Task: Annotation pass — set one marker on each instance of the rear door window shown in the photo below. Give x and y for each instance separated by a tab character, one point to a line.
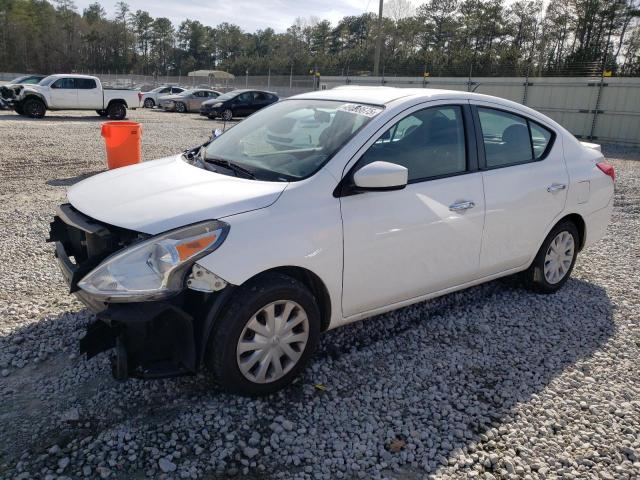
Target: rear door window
540	138
85	83
510	139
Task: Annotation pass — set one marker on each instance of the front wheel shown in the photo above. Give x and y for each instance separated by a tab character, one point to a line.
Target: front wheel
554	261
18	109
34	108
117	111
181	107
227	115
149	103
265	336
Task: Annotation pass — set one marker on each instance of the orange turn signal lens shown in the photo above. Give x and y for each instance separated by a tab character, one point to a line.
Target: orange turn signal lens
190	248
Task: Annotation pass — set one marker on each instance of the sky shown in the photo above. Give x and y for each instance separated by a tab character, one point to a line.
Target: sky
250	15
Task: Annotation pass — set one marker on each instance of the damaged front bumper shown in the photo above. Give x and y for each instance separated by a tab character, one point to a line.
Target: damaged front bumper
150	339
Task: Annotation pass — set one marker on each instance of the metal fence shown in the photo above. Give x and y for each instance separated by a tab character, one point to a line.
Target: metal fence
605	109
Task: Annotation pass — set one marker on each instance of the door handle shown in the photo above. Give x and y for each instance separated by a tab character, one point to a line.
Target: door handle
461	206
556	187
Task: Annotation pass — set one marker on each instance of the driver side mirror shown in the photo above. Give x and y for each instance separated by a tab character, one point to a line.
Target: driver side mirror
381	176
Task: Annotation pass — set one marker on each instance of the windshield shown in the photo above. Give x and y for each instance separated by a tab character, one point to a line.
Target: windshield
46	81
27	79
291	140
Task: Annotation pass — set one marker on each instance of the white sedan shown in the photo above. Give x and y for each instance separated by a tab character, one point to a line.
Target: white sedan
237	255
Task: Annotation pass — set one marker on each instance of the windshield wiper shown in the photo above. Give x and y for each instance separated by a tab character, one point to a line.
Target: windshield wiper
231	166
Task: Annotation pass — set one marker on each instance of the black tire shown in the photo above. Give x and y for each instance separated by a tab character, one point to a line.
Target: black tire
149	103
116	111
250	298
181	107
102	113
227	115
18	109
534	277
34	108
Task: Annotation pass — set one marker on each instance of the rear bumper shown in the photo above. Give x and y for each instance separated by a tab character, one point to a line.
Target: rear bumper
597	223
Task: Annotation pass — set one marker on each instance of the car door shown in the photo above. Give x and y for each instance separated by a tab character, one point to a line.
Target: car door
260	100
403	244
525	185
195	99
64	93
241	104
89	95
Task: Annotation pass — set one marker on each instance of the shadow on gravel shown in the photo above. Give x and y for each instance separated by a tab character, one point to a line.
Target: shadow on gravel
52	118
436	376
66	182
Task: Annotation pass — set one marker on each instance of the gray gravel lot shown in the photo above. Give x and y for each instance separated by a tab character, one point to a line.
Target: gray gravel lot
491	382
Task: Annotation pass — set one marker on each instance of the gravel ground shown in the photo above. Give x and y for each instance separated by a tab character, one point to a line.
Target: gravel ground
491	382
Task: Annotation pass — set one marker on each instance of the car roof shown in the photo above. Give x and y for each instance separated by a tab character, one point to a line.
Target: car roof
413	96
380	95
385	95
71	75
242	90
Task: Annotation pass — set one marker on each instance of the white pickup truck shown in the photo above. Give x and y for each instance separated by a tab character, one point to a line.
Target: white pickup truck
70	92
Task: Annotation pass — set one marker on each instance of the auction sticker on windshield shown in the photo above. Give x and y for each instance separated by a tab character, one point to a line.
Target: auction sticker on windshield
366	110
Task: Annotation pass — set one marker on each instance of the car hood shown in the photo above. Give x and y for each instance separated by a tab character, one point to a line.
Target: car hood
156	196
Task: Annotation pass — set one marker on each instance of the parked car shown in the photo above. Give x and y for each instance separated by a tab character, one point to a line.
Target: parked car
187	101
236	255
150	99
70	92
22	80
27	80
237	103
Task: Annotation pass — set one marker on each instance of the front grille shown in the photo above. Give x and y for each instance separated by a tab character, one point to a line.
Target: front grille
87	242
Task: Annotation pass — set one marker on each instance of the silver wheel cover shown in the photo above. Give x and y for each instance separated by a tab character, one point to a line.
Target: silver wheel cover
559	257
273	341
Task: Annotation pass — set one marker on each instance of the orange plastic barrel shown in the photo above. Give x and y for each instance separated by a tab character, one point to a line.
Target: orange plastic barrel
123	143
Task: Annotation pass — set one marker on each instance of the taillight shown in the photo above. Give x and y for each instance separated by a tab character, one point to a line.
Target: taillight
607	170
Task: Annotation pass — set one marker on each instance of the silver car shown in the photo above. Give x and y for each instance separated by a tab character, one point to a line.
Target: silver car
187	101
150	99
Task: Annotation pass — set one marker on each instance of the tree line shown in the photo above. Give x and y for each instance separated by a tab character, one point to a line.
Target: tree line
440	37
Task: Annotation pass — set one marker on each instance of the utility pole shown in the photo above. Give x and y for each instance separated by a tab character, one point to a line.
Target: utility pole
376	62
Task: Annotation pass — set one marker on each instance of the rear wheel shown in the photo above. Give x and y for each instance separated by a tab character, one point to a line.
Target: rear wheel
116	111
555	260
181	107
102	113
149	103
34	108
265	337
227	115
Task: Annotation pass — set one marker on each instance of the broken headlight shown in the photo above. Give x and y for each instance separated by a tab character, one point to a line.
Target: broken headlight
154	268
